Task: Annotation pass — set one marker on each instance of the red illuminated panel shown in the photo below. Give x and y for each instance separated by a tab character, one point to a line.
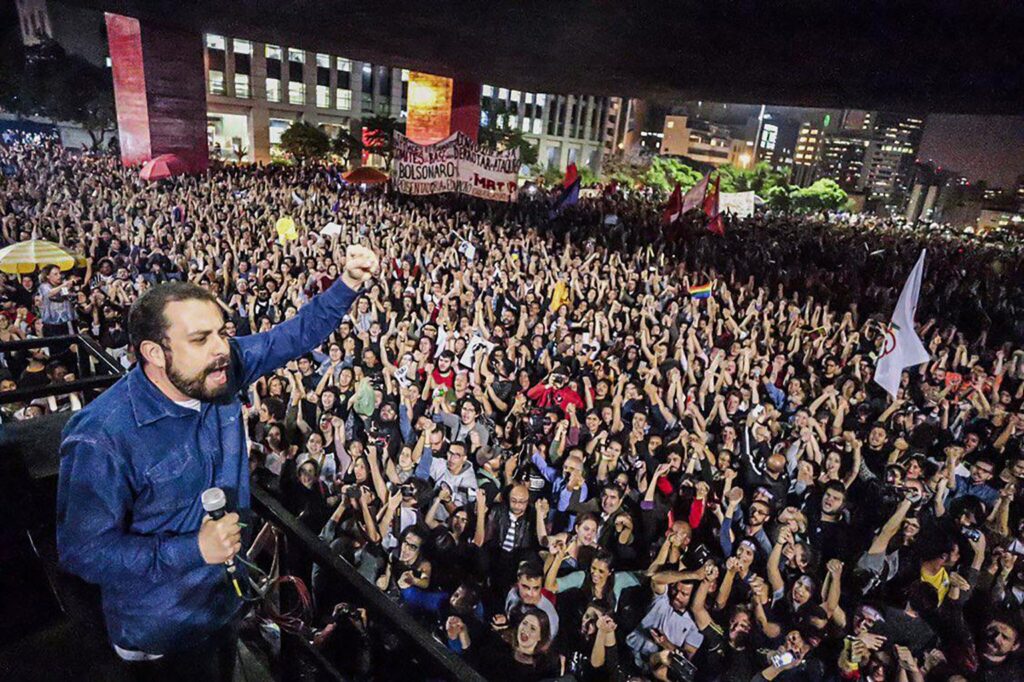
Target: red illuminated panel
124	36
465	116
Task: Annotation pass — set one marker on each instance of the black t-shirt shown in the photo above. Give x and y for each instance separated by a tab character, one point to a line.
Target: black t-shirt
718	660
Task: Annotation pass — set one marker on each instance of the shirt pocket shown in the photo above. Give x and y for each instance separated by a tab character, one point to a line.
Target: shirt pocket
174	483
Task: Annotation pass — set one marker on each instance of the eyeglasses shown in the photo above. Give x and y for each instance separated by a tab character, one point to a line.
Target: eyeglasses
406	543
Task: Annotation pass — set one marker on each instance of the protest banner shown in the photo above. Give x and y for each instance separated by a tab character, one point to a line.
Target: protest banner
455	164
739	204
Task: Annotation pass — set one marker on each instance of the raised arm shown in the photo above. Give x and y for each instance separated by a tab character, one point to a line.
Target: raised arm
262	353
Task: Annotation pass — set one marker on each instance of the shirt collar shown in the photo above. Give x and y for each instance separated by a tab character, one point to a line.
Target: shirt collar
148	403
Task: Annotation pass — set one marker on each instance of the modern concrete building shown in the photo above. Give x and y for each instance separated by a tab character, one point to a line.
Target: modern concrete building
256	90
566	128
704	142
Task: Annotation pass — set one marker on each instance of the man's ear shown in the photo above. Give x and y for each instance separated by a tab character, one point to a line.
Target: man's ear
153	353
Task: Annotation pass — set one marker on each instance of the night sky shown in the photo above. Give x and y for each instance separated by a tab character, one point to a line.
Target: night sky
989	148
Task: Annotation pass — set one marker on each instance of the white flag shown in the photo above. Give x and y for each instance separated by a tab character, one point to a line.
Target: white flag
695	196
902	347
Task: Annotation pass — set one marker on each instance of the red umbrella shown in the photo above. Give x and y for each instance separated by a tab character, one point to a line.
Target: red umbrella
365	175
163	166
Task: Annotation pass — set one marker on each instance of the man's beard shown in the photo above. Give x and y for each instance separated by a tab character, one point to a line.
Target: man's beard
195	386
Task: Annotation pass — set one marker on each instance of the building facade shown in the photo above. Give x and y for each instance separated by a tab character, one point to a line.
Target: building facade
890	157
256	90
566	128
704	142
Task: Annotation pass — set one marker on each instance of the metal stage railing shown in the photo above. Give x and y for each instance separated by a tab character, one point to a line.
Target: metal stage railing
439	660
94	369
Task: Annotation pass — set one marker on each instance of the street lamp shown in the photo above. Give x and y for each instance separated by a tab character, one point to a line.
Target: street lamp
744	159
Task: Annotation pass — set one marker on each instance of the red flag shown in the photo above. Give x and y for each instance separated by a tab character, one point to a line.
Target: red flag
570	175
674	208
711	200
715	224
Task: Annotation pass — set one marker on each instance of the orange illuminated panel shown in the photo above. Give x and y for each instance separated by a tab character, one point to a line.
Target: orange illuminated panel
429	108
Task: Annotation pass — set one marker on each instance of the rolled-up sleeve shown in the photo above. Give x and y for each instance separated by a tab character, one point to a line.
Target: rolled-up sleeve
93	538
265	352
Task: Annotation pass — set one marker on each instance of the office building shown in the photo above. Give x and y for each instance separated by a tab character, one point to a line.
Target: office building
704	142
890	157
623	126
566	128
841	158
256	90
809	141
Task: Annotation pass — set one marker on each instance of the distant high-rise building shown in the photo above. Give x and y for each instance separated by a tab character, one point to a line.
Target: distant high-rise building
842	159
890	157
809	141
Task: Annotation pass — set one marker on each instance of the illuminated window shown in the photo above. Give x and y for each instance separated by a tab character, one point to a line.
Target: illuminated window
343	99
514	95
242	85
323	60
526	125
670	124
273	52
277	127
296	93
216	82
541	99
405	75
343	64
242	46
488	91
215	42
537	126
273	90
323	96
529	98
502	93
297	56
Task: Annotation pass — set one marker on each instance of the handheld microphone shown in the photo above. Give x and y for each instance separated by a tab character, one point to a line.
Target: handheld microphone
215	503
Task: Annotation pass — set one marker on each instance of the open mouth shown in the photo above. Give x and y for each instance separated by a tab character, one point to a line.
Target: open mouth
219	375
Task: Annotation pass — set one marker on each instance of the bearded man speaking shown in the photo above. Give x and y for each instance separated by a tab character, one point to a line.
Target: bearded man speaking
135	462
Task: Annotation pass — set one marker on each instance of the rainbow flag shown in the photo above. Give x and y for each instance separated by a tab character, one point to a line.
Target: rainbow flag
701	291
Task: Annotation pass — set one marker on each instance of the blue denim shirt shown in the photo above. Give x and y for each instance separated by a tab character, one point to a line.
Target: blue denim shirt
133	467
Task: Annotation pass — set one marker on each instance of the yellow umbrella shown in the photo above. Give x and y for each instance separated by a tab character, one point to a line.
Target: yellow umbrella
29	256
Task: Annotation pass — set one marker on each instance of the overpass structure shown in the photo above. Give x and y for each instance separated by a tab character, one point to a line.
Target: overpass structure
939	56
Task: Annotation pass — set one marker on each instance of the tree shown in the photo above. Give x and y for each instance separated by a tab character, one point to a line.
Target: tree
627	170
305	141
823	195
666	171
380	136
760	178
348	146
778	198
502	138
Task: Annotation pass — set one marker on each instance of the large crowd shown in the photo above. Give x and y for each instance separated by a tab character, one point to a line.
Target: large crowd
529	433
